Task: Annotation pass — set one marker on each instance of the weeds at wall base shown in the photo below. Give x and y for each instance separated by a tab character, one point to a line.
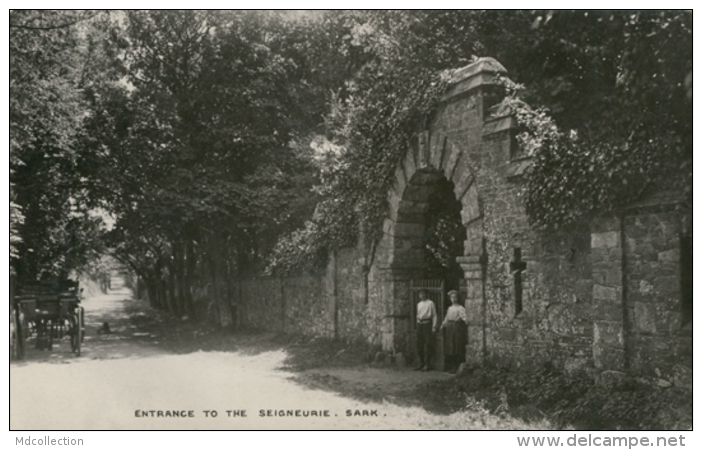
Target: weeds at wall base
577	400
542	396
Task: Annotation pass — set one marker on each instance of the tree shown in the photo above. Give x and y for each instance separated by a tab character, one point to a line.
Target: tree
621	81
48	64
229	143
199	148
377	106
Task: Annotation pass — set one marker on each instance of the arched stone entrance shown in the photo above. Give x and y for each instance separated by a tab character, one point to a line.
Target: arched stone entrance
417	177
468	142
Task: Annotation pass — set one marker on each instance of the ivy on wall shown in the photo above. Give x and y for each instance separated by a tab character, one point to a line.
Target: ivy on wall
380	128
575	176
369	130
622	78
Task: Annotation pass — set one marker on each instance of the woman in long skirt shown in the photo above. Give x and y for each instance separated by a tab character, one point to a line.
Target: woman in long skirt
455	338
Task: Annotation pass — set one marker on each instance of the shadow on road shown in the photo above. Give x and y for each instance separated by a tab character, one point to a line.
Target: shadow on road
137	331
119	310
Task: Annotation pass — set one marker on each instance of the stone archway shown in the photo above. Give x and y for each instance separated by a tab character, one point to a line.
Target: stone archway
434	158
469	143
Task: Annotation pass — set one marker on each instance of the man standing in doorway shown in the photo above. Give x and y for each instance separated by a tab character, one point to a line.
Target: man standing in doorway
426	327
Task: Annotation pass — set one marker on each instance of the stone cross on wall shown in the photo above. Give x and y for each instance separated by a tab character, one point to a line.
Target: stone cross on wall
516	267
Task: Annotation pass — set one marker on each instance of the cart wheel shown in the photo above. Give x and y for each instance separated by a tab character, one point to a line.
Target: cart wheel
22	333
14	346
81	330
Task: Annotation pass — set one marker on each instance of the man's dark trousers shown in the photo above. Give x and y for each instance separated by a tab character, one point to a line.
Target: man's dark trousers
424	342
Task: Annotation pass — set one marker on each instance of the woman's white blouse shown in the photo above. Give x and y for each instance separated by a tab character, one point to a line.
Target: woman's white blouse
455	312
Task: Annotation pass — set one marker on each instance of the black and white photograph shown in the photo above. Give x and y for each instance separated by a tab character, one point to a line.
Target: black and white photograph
351	219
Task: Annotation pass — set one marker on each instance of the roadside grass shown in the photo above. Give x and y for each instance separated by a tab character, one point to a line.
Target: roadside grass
490	397
615	401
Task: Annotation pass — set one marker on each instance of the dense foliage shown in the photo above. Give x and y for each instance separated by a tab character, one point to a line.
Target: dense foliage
624	101
180	129
444	236
373	121
617	82
199	146
51	228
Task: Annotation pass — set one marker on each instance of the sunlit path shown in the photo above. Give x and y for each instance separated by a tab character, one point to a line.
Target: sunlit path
123	376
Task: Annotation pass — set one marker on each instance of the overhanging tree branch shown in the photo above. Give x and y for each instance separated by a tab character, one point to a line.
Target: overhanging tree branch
55	27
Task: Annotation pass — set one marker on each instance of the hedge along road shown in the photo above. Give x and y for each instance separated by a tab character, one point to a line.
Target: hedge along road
125	380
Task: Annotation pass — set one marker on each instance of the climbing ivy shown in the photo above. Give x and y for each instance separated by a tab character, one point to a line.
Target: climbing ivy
576	176
445	234
621	79
380	129
369	129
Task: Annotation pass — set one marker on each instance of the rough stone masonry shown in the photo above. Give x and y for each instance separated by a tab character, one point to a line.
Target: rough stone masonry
614	294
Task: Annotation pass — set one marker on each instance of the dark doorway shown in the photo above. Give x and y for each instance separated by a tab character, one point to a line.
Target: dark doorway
428	237
444	236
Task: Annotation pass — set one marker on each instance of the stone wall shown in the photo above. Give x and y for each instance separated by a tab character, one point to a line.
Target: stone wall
333	304
638	295
608	294
658	343
293	305
554	323
307	307
262	303
350	285
471	143
604	295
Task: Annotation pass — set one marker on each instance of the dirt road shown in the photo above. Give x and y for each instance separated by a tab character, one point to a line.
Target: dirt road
128	380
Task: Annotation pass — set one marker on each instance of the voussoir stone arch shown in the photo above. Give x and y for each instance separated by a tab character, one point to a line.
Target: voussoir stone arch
434	156
453	148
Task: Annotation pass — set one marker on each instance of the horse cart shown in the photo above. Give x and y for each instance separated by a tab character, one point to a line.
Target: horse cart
46	312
